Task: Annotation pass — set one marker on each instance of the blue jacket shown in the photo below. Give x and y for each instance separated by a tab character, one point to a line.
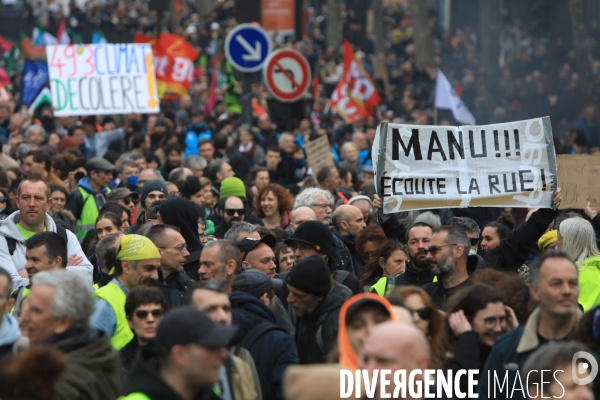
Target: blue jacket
273	352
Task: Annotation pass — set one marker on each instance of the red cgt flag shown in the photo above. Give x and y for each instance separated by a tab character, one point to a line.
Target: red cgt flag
355	93
173	62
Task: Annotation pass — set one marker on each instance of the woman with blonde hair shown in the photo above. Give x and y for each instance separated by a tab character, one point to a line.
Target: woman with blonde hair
576	237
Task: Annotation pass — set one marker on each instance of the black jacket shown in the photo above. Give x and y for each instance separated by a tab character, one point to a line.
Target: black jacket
173	287
145	378
469	353
514	250
440	295
273	352
341	254
350	243
324	321
128	354
413	277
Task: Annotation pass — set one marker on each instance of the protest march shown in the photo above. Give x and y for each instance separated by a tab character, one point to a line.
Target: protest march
299	199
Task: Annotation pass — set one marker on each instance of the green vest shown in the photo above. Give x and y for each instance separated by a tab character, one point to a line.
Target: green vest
116	298
386	284
589	276
16	310
89	213
135	396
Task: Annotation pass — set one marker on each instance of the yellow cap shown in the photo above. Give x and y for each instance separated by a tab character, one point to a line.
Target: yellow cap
547	239
136	247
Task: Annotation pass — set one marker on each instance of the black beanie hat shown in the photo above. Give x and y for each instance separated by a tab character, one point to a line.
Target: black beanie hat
310	275
314	234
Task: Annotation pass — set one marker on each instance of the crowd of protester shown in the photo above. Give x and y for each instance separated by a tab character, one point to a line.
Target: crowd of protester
188	255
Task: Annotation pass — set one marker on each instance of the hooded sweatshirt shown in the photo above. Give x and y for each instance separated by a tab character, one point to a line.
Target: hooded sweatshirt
184	214
348	357
326	317
16	263
9	333
272	353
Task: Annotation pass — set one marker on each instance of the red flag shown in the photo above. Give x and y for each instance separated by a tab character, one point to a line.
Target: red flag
212	94
260	112
173	63
355	93
5	45
62	35
315	87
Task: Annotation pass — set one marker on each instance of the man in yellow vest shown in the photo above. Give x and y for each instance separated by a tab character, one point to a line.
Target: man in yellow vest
136	263
44	251
88	198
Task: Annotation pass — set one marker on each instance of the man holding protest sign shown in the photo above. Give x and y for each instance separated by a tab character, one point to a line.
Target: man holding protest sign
421	172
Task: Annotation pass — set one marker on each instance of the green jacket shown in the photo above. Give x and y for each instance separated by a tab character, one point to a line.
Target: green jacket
589	282
93	370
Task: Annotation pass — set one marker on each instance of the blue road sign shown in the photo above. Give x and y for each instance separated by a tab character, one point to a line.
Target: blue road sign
247	47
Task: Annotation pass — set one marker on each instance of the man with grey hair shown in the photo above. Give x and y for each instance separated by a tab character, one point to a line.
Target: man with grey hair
447	255
299	216
148	174
555	286
179	174
57	312
321	202
242	230
128	174
221	262
470	227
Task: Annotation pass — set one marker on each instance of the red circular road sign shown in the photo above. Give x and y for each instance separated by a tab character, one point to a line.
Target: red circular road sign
286	75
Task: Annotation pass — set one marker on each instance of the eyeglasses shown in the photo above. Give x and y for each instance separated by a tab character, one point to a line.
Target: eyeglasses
424	313
174	194
143	314
474	241
232	211
182	247
324	206
434	249
3	199
490	322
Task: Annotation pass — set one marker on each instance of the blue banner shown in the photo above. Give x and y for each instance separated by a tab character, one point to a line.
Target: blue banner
35	75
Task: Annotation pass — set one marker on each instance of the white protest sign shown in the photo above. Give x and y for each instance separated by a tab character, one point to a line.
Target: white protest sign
100	79
502	165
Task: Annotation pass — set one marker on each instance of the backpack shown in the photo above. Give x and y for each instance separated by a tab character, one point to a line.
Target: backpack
12	243
254	334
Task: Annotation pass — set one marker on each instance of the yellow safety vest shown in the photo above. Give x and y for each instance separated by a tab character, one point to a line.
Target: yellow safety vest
89	213
114	296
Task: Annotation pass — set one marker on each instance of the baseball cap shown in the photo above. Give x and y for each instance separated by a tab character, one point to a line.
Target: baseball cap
246	245
360	304
185	325
121	193
99	163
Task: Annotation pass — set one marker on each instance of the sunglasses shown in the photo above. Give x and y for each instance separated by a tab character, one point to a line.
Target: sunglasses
434	249
424	313
143	314
474	241
3	199
232	211
128	200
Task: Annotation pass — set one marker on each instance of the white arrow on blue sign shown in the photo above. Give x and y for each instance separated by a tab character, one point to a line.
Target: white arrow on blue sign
247	47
